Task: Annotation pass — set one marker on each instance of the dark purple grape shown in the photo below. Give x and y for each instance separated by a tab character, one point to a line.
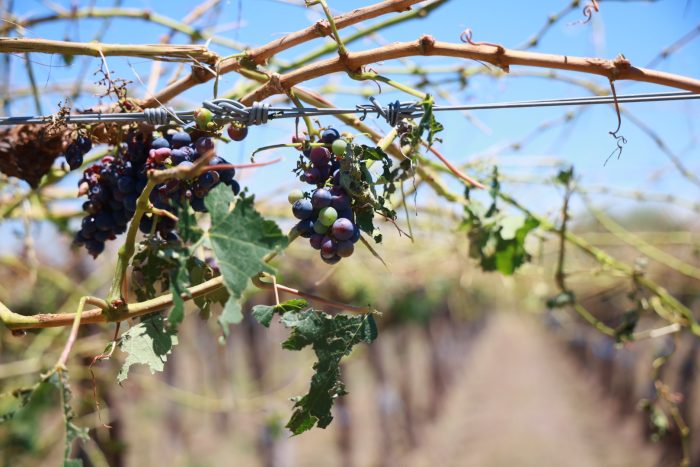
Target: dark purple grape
343	229
115	203
165	225
130	202
197	204
126	184
329	135
355	235
305	228
95	247
180	139
146	224
313	176
321	198
324	172
237	132
302	209
172	237
74	156
160	143
328	247
346	214
96	193
319	156
345	248
89	207
204	145
185	164
235	187
332	260
208	179
341	200
226	175
83	143
79	239
102	235
104	221
316	240
89	226
178	156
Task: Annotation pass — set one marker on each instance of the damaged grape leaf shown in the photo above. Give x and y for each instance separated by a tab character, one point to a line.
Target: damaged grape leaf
240	238
331	338
148	343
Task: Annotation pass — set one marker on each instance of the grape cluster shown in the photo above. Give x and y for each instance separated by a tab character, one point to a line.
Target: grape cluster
325	215
114	184
76	150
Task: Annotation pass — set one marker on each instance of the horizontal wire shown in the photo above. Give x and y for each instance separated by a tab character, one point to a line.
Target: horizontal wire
406	109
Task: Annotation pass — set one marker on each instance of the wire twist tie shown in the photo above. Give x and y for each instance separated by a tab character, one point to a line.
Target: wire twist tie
157	116
394	112
230	109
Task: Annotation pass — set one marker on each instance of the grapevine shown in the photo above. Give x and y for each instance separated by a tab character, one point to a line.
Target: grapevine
397	226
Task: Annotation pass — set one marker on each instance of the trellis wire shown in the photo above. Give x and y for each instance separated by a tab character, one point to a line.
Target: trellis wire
230	110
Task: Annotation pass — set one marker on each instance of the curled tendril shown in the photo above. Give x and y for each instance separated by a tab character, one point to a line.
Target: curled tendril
466	37
588	11
620	139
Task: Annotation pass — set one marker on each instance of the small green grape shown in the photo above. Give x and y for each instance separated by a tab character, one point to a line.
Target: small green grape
339	146
203	117
327	216
294	196
319	228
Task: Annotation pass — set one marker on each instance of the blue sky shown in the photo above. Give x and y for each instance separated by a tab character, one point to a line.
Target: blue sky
639	30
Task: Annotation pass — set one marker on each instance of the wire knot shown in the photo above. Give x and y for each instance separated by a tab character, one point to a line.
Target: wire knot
393	113
232	110
158	116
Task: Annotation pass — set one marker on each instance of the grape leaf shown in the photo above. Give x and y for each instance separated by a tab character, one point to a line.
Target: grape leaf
240	238
496	239
264	313
147	343
331	337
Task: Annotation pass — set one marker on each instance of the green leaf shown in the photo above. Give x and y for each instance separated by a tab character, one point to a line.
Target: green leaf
240	238
510	226
565	176
511	254
331	338
147	343
264	313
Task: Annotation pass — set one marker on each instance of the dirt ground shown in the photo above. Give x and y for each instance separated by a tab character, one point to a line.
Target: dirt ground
521	402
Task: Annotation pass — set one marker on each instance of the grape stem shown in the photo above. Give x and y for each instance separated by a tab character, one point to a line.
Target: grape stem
115	298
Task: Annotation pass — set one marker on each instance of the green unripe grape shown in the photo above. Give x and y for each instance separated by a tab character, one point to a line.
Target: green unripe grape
327	216
203	117
320	228
339	146
294	196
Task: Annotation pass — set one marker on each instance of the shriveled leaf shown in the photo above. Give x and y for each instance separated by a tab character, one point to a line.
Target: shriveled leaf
148	343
